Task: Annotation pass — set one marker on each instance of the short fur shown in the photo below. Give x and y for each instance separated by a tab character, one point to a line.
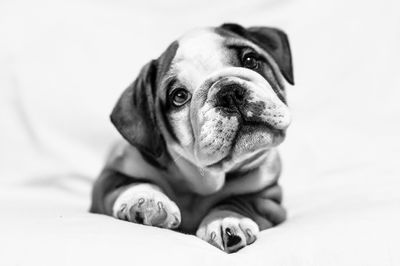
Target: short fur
209	166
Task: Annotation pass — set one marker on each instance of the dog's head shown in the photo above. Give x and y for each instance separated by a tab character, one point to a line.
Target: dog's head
215	98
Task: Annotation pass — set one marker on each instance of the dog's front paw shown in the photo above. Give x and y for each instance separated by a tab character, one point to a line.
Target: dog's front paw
146	204
228	230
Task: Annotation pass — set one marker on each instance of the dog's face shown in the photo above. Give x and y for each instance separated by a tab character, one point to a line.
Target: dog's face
215	97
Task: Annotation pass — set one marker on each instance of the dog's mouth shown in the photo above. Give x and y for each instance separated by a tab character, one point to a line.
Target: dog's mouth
229	135
251	137
236	116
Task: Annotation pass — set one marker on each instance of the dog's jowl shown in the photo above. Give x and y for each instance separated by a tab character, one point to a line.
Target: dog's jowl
201	125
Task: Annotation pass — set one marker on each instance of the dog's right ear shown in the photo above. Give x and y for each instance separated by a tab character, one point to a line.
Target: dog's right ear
134	114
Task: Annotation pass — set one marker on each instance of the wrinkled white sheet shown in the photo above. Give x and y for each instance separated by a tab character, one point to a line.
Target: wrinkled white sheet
64	63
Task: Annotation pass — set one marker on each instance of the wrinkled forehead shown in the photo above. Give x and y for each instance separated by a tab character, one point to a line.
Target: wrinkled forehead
200	53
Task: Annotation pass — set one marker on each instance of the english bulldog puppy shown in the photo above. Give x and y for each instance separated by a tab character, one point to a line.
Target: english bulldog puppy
201	124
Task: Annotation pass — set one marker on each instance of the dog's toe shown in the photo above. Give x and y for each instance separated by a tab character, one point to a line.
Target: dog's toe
233	237
228	231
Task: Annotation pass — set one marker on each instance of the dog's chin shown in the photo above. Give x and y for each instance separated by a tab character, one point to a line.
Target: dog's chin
250	141
252	138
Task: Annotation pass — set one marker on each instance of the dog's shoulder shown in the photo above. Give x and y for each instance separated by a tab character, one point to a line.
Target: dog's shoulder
128	160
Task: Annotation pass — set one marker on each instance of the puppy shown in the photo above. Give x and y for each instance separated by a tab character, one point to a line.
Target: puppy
201	124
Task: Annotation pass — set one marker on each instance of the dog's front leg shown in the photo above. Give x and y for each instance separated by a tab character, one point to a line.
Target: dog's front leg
236	222
124	198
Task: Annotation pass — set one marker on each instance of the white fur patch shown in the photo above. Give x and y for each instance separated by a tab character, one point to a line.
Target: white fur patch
217	132
200	53
147	201
182	127
220	225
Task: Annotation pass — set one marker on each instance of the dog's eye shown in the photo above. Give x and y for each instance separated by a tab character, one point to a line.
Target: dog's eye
180	97
250	61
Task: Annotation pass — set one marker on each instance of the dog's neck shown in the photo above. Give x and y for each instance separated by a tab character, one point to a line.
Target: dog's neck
186	176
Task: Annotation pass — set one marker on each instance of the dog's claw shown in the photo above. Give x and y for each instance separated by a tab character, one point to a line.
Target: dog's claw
213	241
140	202
213	236
248	232
121	212
123	207
160	206
161	217
250	236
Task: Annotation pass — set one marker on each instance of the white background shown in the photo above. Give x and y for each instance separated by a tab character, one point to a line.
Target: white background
63	65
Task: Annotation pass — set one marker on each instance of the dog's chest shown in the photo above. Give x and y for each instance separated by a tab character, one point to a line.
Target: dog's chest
193	209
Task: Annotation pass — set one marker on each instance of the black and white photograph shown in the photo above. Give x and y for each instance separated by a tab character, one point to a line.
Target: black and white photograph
257	132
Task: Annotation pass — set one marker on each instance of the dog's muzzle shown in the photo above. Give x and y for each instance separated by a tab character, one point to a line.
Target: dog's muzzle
234	112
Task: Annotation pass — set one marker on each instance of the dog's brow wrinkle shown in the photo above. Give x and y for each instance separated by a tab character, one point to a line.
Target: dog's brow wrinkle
240	43
171	78
237	46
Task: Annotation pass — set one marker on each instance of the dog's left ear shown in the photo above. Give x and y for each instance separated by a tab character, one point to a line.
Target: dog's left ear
273	41
134	114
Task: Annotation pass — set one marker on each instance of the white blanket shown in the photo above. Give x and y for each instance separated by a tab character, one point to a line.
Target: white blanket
64	63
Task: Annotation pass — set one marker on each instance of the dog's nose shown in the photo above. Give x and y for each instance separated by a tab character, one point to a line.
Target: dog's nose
230	96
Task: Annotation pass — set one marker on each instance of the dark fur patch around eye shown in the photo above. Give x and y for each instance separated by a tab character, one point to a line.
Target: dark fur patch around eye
265	69
272	40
